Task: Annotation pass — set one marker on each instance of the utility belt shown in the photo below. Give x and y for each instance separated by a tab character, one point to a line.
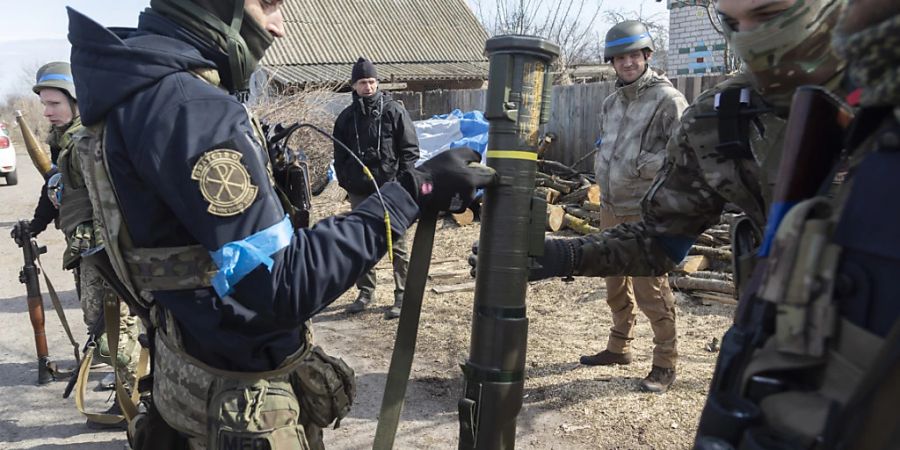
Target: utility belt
269	409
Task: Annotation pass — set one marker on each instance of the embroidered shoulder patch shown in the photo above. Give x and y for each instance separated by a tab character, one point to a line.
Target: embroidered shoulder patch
224	182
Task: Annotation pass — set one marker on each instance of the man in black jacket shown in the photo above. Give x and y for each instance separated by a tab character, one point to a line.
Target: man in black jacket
379	131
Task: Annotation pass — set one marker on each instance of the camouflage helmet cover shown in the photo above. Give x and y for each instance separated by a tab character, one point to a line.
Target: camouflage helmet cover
625	37
792	49
57	75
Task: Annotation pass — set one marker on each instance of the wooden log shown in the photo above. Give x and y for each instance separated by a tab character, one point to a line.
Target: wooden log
556	168
699	284
459	287
591	216
579	225
715	296
593	194
576	197
549	194
709	275
590	206
714	253
707	240
555	217
439	260
448	274
558	183
464	218
693	263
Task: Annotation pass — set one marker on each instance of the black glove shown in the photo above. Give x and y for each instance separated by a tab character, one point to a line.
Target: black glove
448	181
560	257
18	232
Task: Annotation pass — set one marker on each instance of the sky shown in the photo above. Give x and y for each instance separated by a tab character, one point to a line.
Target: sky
33	33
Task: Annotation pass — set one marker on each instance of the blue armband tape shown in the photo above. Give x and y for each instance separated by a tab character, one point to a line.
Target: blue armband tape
675	247
776	215
238	258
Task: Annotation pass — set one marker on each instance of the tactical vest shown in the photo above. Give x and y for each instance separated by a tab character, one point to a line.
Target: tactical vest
815	353
75	204
206	404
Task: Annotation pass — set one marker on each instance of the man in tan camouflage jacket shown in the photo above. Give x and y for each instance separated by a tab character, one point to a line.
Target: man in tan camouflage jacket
636	121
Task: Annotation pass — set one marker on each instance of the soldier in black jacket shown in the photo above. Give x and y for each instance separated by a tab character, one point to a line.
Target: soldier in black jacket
379	130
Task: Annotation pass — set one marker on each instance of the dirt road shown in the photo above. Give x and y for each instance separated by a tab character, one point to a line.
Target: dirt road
566	406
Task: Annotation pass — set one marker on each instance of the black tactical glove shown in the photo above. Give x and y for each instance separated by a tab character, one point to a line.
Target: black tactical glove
561	256
20	229
448	181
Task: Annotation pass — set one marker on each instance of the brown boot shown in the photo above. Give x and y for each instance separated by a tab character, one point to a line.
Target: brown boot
658	380
606	358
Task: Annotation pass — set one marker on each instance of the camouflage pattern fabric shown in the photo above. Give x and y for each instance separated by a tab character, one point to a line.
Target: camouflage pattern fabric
790	50
689	193
874	52
636	122
216	408
93	292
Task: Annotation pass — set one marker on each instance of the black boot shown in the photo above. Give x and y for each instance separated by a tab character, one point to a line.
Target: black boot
361	302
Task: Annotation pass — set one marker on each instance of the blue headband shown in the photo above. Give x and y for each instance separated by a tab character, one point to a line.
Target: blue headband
55	77
628	39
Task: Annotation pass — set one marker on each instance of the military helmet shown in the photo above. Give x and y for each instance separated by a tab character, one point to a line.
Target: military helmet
56	75
625	37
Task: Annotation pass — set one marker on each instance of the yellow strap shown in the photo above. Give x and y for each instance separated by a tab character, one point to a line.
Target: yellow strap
512	154
80	386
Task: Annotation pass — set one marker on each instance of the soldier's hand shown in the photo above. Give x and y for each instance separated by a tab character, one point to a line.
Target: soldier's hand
21	228
559	259
448	181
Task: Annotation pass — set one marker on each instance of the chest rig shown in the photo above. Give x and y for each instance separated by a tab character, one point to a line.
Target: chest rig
801	361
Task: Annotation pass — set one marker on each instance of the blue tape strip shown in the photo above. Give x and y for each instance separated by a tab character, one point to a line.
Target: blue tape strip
676	247
628	39
56	77
776	215
239	258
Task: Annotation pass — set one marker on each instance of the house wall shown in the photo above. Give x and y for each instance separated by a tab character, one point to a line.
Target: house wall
695	48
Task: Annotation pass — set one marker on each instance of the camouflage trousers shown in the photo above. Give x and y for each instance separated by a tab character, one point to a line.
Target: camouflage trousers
219	410
652	295
92	292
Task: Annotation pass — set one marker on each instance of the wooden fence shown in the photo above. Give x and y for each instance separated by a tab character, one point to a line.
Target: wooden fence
574	115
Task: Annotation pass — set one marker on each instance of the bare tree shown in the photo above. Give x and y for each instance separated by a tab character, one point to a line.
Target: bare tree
658	26
568	23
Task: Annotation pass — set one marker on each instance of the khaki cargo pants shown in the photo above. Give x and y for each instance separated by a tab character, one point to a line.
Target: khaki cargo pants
654	298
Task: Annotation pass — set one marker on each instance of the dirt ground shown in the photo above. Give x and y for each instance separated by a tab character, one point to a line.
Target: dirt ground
566	406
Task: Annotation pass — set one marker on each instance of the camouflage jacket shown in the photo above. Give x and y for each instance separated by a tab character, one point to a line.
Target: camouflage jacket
636	121
689	193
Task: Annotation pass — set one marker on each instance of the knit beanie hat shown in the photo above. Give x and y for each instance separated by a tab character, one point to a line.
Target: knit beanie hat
363	69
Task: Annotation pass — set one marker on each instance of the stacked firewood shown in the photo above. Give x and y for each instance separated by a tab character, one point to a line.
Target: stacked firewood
705	273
